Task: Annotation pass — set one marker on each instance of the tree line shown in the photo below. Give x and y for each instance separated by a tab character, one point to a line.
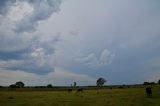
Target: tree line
99	82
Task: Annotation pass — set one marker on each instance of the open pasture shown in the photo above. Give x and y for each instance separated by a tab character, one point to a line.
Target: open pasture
89	97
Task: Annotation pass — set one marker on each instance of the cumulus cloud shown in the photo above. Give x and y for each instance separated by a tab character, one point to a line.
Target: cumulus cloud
42	9
21	49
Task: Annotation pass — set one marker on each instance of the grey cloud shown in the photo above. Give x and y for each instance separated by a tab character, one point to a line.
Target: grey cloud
94	61
60	77
35	56
42	9
5	6
27	51
34	62
129	29
35	59
14	43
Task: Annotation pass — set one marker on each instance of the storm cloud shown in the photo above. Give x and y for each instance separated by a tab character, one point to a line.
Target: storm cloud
117	40
19	48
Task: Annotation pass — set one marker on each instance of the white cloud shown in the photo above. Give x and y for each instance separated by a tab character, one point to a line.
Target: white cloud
19	10
95	61
106	57
39	56
23	16
42	9
88	58
10	63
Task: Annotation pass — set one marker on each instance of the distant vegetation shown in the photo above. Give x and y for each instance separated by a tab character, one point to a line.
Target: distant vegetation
49	86
149	83
18	84
99	83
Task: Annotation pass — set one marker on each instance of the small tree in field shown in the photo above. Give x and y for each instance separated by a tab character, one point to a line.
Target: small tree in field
101	81
49	86
19	84
74	84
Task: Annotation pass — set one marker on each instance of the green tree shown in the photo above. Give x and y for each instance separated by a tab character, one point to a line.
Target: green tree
101	81
19	84
13	86
74	84
49	86
146	83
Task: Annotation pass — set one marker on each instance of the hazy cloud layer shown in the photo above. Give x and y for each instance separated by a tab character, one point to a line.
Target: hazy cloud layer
60	77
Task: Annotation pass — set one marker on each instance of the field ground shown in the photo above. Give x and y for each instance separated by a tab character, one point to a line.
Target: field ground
101	97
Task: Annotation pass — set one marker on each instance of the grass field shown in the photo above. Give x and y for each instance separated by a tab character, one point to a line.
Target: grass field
101	97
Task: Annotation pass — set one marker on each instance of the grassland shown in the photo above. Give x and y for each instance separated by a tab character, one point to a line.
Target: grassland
90	97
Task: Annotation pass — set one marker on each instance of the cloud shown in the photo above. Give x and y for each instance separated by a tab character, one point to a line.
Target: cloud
152	67
27	65
106	57
113	40
38	10
6	64
42	9
60	77
36	57
20	48
94	61
153	78
5	6
39	56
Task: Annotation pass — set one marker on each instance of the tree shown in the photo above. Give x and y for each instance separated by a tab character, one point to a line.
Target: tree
49	86
19	84
146	83
75	84
152	83
13	86
101	81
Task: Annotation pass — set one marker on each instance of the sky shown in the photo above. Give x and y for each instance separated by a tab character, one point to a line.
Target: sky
59	42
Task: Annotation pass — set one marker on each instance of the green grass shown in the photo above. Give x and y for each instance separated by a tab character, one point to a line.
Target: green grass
101	97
